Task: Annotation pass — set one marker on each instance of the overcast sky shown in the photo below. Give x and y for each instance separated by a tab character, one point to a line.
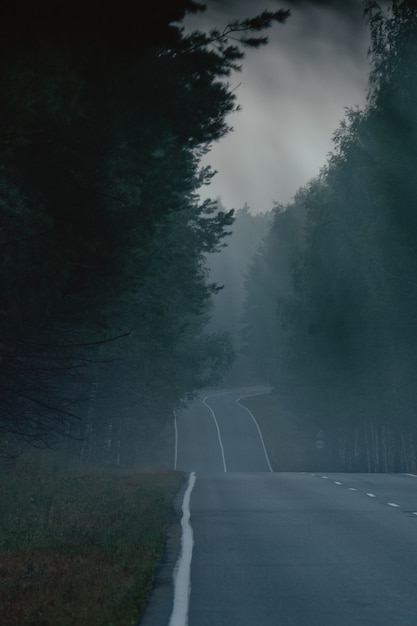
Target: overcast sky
293	94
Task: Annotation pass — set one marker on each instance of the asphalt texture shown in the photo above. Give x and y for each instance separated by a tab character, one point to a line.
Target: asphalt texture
289	549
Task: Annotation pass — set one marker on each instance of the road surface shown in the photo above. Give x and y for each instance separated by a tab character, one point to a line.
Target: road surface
217	434
286	549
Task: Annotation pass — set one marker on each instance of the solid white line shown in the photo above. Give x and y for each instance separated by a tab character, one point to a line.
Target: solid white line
218	429
393	504
182	582
256	423
176	441
371	495
413	475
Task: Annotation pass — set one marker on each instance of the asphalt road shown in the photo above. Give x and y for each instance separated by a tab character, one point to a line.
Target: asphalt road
217	434
289	549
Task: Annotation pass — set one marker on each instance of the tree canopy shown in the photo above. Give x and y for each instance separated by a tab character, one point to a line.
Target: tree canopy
343	330
106	111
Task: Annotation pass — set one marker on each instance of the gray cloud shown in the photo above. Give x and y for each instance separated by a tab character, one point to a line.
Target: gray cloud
293	94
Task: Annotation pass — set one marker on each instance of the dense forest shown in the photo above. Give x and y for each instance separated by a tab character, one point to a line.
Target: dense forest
331	303
105	294
122	291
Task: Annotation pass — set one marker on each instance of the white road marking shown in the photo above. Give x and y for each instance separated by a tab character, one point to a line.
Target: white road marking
371	495
256	423
217	427
413	475
182	582
325	477
336	482
352	489
414	512
393	504
176	441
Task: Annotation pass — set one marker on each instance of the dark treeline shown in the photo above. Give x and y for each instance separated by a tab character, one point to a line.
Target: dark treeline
331	304
104	297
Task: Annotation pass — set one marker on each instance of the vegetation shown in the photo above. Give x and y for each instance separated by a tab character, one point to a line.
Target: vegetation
293	442
228	269
103	279
331	296
79	547
104	290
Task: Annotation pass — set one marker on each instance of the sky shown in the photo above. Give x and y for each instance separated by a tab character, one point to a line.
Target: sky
293	93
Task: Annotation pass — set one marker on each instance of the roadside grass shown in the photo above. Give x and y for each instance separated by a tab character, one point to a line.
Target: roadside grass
79	547
289	443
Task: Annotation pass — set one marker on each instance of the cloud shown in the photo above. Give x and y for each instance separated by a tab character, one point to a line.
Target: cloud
293	94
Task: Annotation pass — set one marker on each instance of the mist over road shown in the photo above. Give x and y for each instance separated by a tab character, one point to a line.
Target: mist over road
289	549
217	434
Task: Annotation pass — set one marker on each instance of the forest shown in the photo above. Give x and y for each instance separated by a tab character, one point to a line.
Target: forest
123	293
331	301
105	294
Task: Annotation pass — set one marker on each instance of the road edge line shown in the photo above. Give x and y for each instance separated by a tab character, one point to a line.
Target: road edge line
217	427
182	571
256	423
175	440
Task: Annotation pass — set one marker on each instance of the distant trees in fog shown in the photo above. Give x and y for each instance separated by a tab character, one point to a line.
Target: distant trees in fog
332	293
228	269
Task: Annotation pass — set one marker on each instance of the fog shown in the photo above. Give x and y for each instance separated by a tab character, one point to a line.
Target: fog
293	95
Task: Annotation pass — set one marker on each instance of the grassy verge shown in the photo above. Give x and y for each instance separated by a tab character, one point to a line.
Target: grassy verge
289	443
79	547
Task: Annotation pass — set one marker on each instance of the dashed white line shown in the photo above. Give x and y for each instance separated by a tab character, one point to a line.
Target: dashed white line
182	583
372	495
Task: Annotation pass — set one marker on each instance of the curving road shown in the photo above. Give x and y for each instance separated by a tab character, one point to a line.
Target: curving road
286	549
218	434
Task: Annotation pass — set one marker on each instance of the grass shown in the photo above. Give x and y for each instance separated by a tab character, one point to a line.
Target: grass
79	547
289	443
